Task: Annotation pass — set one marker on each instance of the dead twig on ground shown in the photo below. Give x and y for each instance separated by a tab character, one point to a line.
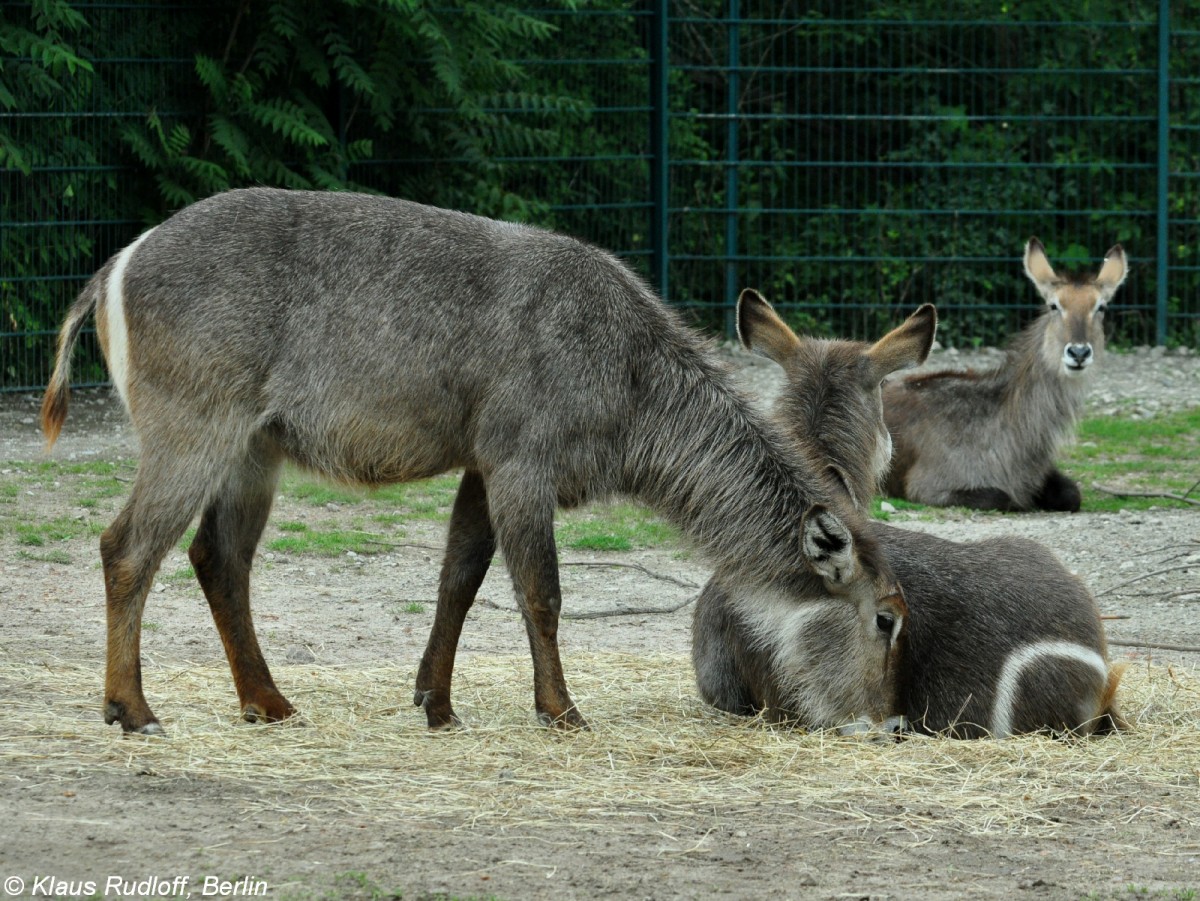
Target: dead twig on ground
1153	645
1167	495
1157	572
600	614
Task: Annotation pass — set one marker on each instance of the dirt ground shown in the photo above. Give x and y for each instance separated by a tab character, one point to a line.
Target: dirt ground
66	825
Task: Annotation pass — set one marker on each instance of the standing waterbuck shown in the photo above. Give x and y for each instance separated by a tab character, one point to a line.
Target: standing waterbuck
989	439
1000	638
376	341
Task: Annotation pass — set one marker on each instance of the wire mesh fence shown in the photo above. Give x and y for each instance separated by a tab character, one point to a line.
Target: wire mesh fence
850	166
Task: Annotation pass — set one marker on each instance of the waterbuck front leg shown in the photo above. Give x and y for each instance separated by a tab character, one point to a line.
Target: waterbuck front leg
1058	493
222	554
523	515
470	546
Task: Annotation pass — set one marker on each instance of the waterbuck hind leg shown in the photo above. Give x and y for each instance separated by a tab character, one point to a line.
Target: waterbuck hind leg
470	546
982	499
222	554
166	495
1059	494
523	515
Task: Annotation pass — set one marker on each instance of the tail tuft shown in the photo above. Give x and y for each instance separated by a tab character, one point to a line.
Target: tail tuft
1110	720
54	403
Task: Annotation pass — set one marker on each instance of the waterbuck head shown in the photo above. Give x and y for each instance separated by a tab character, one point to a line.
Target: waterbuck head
1074	333
837	667
831	406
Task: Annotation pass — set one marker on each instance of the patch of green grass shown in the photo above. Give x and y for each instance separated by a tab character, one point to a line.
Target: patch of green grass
614	527
39	533
1157	455
47	557
186	541
430	499
901	505
414	607
183	574
325	543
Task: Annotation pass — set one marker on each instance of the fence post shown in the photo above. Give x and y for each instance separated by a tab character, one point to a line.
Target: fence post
733	89
660	183
1164	161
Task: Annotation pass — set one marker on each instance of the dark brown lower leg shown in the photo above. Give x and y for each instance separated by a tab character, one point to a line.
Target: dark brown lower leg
125	588
470	545
131	550
525	530
222	554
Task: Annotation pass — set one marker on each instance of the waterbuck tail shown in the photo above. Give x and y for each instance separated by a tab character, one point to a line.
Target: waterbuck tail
54	403
1110	719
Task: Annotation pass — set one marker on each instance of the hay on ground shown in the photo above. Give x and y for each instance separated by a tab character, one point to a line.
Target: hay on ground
656	757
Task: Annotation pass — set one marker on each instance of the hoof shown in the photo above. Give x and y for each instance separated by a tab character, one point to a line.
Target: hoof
273	712
116	712
439	716
569	721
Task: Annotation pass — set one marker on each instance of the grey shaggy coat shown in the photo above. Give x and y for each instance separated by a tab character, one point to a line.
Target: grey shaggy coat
375	340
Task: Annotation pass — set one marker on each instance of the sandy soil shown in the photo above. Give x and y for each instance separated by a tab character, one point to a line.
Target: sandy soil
98	822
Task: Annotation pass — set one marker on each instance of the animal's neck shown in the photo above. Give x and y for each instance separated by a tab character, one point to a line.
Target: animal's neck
1038	396
713	466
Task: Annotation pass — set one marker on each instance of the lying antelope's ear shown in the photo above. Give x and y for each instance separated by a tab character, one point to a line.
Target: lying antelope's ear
827	545
1112	273
905	346
761	330
1039	270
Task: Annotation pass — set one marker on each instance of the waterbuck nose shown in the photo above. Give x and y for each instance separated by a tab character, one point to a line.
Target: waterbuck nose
1078	355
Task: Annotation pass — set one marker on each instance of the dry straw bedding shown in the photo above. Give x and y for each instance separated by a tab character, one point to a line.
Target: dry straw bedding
655	758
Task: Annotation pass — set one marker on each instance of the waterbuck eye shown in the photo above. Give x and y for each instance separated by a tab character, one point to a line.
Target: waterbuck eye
1100	308
885	622
1055	307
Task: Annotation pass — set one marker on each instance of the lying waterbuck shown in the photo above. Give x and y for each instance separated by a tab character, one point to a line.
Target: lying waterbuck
1000	639
810	664
988	440
378	341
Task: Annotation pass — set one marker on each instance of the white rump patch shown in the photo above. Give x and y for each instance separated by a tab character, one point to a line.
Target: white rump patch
1010	676
114	313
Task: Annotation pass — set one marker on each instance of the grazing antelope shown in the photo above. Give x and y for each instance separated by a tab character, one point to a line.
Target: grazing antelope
1000	638
988	440
377	341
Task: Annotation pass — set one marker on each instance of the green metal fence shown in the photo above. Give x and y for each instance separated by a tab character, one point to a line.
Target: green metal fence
849	164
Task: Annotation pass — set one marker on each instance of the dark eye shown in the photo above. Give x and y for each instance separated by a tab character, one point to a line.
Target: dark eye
1100	308
1055	307
885	622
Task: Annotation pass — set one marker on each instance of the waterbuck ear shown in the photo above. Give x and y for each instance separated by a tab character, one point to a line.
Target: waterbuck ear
761	330
827	545
1112	273
1039	270
906	345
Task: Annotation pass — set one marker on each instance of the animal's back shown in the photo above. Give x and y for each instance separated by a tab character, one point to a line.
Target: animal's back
1002	639
381	340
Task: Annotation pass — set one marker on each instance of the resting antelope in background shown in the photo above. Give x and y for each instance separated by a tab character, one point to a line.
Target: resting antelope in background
989	439
1000	638
377	341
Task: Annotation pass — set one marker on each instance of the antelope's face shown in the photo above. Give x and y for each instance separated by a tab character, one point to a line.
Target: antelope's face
1074	334
839	656
832	402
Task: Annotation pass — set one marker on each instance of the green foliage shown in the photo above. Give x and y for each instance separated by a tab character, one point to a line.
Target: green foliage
882	163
